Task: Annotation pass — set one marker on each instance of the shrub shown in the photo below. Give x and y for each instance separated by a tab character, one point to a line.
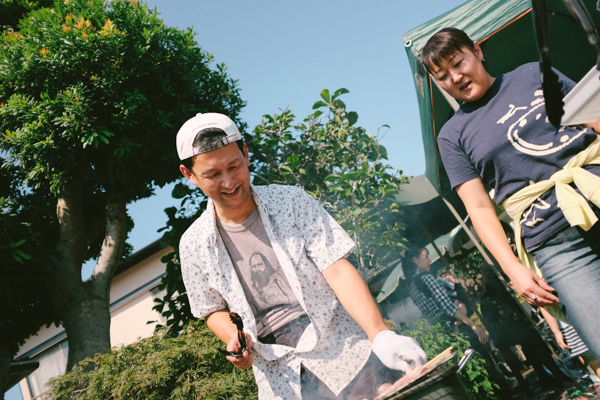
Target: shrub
435	338
160	367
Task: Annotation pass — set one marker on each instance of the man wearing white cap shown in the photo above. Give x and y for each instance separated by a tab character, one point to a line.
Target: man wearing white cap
275	257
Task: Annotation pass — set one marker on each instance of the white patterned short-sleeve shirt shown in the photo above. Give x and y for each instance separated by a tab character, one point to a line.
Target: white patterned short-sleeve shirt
306	240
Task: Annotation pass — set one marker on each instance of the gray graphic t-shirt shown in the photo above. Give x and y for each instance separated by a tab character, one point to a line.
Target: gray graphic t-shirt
265	285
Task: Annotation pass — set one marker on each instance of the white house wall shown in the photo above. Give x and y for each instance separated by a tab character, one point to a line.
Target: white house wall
137	276
129	322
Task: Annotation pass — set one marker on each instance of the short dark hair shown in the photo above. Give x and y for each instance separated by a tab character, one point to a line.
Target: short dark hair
209	137
408	265
443	45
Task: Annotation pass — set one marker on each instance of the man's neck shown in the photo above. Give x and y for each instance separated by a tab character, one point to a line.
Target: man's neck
235	215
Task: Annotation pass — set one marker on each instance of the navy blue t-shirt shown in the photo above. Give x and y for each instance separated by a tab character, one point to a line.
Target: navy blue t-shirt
505	138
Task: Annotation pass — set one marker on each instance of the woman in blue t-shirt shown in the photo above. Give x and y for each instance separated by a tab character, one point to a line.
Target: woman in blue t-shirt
500	137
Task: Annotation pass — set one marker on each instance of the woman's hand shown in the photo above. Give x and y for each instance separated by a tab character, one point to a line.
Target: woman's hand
461	306
481	333
530	286
560	340
246	360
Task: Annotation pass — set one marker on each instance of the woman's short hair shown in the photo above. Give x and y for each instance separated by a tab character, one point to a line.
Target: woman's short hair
443	45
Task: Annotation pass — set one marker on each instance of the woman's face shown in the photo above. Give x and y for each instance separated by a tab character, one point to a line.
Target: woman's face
462	75
422	261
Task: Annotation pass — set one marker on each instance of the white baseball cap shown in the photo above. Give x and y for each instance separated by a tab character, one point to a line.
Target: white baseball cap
193	128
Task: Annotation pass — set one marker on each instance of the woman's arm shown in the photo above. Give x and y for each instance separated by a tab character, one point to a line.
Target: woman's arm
553	324
486	223
595	125
478	329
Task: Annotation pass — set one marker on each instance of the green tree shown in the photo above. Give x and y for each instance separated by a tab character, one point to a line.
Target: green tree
160	367
11	11
91	96
338	163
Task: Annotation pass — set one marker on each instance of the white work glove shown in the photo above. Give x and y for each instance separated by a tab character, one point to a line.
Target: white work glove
402	353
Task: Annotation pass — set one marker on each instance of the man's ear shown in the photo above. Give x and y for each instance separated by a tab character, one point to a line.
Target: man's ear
186	172
415	260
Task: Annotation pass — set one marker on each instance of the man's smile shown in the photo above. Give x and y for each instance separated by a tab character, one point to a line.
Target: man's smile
231	192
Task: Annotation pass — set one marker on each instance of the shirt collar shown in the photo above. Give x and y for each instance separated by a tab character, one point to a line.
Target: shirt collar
267	202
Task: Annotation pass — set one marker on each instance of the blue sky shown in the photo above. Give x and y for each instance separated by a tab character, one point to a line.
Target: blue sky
285	52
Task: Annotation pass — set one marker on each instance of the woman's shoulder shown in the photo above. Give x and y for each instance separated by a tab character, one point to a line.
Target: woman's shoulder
527	69
453	127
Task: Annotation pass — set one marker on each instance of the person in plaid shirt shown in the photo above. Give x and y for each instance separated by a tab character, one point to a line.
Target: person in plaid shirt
434	296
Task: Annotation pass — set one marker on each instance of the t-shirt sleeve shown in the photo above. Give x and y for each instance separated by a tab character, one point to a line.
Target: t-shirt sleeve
203	298
458	166
325	240
566	83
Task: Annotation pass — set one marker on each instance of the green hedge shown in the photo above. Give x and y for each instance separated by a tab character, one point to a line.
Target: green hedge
159	368
435	338
187	367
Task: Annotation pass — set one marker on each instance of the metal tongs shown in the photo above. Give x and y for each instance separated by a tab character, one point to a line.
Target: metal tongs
464	359
239	324
552	89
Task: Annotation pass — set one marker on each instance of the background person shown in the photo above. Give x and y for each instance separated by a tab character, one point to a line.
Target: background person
568	339
432	295
437	302
500	136
508	327
313	321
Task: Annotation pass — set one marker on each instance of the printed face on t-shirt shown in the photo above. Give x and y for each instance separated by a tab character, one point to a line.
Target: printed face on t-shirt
256	263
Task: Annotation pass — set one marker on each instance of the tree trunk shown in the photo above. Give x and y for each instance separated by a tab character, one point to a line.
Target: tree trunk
87	323
5	359
83	307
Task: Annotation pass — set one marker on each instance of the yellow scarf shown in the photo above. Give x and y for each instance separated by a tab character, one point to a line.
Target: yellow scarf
573	205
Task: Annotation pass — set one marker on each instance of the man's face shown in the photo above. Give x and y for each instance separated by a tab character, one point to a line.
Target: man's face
463	76
222	175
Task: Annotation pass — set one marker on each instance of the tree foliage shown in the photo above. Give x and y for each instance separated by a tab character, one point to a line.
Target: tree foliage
87	89
23	297
91	96
11	11
160	367
326	154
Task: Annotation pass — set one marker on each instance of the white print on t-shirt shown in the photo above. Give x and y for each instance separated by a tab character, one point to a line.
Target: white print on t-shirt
539	204
530	148
268	282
